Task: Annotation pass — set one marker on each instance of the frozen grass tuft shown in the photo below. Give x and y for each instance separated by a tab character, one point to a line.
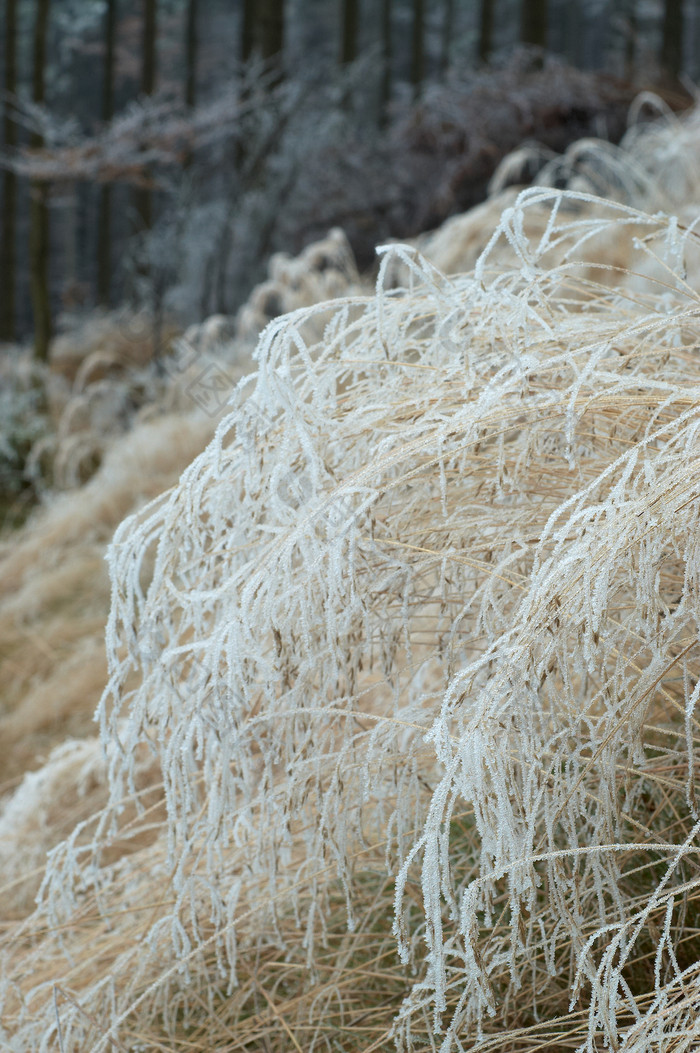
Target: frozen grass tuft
413	649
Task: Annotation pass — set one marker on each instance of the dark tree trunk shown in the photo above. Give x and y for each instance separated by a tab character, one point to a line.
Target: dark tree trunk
485	30
110	41
41	25
262	30
672	38
386	61
191	54
142	198
447	33
104	246
574	26
270	26
148	52
39	267
351	23
39	209
418	47
248	30
104	216
533	23
9	194
630	39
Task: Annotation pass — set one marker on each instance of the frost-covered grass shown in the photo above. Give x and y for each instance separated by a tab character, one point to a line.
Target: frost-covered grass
413	650
54	586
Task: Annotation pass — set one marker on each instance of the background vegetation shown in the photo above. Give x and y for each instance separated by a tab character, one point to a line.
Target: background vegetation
160	150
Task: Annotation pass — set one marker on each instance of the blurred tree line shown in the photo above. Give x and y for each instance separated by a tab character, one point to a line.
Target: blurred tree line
133	128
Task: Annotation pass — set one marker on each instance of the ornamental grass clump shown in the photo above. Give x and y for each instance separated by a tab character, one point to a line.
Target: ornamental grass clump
413	649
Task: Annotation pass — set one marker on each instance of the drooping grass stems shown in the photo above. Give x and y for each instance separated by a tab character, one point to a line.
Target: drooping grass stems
413	649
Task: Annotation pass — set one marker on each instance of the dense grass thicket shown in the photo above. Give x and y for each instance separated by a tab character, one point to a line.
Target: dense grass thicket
401	721
67	435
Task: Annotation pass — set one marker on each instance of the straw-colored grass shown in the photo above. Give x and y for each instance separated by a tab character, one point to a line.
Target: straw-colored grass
403	673
54	591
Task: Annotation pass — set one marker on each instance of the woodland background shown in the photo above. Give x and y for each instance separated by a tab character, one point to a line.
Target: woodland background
156	152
